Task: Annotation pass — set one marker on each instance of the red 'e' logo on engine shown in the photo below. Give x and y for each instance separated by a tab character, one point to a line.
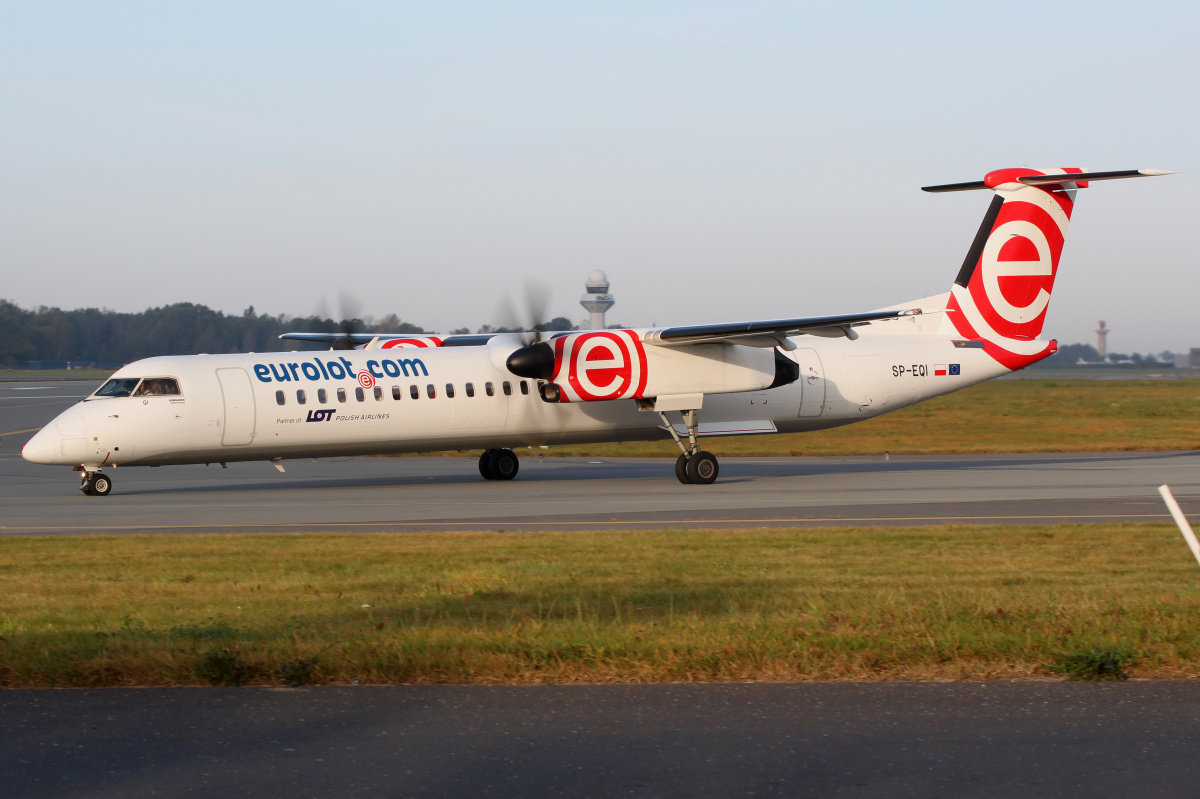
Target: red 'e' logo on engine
604	365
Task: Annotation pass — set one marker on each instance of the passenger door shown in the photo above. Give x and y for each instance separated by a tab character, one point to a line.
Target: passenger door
239	418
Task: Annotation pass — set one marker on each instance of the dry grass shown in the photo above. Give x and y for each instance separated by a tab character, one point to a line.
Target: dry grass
998	416
951	602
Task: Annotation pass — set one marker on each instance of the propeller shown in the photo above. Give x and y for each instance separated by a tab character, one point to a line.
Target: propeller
348	322
532	325
535	358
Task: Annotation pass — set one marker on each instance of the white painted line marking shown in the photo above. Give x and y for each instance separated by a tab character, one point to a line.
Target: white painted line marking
1181	520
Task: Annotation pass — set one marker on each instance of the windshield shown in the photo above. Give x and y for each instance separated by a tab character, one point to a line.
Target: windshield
155	386
117	387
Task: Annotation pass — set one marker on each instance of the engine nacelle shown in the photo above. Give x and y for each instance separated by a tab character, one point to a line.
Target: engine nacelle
614	364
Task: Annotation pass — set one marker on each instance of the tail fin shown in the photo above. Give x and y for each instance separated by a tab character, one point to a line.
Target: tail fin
1003	289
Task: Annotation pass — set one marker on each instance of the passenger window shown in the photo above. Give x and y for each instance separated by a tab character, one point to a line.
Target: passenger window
358	394
322	397
341	395
414	392
396	393
431	391
489	389
470	389
158	387
301	397
507	386
279	398
378	393
450	390
524	387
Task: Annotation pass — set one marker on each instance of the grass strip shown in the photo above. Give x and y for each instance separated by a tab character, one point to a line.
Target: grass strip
998	416
932	603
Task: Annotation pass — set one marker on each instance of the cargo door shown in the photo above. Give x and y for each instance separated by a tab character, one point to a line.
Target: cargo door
238	393
812	382
867	385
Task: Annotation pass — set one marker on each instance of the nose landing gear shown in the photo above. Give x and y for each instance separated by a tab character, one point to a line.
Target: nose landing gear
96	484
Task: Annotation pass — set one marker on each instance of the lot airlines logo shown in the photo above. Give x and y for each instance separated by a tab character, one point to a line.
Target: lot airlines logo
323	415
597	366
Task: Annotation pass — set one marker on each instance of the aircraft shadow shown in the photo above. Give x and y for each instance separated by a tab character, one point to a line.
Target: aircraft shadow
734	471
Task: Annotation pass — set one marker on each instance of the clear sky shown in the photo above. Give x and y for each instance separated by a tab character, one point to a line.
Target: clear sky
721	161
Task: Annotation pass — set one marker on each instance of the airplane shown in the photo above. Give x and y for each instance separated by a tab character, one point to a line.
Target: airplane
497	392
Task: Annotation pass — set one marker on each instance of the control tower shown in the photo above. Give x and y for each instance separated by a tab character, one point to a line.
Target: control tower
1102	341
597	300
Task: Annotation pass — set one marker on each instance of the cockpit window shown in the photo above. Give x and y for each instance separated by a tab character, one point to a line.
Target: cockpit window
158	387
117	387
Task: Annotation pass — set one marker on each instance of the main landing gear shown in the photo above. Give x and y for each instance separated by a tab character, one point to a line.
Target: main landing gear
694	466
96	484
498	464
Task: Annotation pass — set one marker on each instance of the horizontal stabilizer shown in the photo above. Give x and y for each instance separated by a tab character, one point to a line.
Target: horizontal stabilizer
994	179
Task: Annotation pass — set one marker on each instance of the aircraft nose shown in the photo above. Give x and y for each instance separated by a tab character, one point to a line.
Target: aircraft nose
44	447
61	441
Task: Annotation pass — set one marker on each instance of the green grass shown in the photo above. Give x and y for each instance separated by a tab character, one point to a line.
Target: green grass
932	603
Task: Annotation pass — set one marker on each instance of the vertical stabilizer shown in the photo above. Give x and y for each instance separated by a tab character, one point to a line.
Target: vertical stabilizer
1003	289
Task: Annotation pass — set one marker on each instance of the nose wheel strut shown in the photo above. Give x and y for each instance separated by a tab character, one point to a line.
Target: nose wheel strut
695	466
96	484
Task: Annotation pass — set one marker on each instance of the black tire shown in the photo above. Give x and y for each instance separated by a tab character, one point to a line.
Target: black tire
485	461
100	485
503	464
681	470
702	468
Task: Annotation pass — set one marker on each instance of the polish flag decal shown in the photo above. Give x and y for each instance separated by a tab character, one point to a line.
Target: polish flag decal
939	370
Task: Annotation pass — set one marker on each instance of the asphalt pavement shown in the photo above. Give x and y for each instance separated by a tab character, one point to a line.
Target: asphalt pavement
806	740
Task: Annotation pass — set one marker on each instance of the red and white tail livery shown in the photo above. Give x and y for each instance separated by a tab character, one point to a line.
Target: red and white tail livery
1003	289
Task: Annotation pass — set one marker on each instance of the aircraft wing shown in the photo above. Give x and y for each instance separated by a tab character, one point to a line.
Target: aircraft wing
773	332
387	341
335	338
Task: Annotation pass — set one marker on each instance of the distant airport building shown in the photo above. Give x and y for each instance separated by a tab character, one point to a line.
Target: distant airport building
597	300
1188	360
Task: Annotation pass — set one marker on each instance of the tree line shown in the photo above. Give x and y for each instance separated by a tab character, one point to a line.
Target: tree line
110	338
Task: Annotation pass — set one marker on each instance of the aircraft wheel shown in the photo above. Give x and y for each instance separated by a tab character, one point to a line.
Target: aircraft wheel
503	464
681	470
702	468
484	464
99	486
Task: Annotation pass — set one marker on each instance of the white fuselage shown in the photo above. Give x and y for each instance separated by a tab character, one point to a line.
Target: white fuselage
248	407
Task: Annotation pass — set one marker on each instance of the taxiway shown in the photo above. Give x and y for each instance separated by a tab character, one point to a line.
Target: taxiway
447	493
